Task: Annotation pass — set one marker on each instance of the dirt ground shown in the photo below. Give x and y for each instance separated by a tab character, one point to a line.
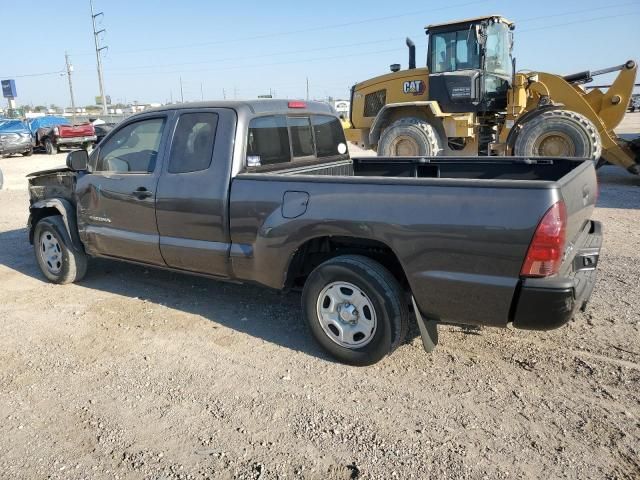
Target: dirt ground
136	373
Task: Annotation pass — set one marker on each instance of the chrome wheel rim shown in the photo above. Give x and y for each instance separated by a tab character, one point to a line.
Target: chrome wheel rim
50	252
346	315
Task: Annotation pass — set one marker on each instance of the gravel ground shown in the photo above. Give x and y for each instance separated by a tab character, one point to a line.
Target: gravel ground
137	373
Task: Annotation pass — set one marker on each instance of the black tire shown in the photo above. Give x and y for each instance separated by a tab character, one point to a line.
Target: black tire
48	147
410	137
380	287
70	264
28	153
559	133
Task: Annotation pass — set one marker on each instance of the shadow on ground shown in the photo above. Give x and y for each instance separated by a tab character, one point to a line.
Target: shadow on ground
262	313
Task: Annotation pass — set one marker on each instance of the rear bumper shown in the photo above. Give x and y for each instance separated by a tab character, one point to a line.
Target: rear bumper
75	140
547	303
15	147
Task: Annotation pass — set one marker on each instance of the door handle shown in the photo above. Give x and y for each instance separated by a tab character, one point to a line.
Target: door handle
141	193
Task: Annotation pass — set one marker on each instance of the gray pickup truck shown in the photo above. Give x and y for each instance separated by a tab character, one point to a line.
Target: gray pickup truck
265	192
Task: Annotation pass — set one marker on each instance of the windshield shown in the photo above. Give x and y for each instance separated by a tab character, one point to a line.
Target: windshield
451	51
498	49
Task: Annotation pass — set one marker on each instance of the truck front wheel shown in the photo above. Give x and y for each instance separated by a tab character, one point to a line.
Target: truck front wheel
48	147
355	309
559	133
410	137
58	259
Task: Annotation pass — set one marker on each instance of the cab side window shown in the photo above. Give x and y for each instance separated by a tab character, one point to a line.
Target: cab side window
133	148
193	140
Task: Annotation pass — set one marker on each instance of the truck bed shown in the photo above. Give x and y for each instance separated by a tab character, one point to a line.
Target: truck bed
469	168
460	227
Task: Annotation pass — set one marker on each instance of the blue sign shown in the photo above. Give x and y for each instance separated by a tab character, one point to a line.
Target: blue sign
9	89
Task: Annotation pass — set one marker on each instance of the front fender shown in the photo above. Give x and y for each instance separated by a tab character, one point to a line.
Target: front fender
64	208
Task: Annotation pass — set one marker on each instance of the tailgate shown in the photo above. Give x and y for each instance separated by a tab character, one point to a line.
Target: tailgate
579	190
66	131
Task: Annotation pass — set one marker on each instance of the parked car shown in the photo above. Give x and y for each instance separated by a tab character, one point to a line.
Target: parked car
15	137
634	103
54	133
265	192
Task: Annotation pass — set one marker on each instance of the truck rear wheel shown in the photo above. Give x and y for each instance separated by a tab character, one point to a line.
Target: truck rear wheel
410	137
559	133
48	147
355	309
58	259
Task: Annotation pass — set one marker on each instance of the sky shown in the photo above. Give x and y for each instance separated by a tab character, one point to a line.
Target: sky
244	49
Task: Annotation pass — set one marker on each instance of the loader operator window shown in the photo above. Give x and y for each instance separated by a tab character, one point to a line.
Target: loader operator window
497	55
451	51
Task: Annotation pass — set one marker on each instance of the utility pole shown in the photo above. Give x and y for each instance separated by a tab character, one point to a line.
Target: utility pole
201	92
73	102
181	92
99	49
307	88
224	94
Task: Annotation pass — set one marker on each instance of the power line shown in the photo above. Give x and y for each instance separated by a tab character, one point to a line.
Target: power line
294	62
545	27
303	30
289	52
575	12
57	72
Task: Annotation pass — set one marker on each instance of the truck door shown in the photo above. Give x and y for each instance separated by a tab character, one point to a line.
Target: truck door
193	192
116	200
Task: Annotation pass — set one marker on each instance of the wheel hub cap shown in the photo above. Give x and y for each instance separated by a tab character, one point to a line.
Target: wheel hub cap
346	315
404	146
51	253
555	144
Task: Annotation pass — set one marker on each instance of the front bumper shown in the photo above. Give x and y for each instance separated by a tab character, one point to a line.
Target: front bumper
547	303
75	140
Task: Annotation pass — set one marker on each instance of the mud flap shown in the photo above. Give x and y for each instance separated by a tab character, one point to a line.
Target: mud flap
428	329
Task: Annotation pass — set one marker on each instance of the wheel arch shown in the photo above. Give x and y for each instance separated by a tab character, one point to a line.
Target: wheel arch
51	207
429	109
317	250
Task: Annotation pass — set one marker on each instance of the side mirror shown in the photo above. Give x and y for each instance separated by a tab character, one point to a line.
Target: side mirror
78	160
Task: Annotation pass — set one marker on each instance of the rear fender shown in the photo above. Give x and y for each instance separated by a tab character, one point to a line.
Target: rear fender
385	113
56	206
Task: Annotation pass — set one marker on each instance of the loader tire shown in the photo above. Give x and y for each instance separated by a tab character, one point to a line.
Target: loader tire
559	133
410	137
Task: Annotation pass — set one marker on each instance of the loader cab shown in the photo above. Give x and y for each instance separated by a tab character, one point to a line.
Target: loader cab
470	64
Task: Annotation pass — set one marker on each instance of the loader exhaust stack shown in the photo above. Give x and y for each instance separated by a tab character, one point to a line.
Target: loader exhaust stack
412	53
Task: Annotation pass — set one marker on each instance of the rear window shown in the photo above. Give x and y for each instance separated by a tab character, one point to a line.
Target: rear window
278	139
268	141
329	136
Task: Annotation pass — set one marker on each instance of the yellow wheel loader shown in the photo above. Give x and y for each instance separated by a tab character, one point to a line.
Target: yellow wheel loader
470	100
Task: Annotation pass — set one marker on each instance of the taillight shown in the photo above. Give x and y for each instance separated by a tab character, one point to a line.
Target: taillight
547	246
297	104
